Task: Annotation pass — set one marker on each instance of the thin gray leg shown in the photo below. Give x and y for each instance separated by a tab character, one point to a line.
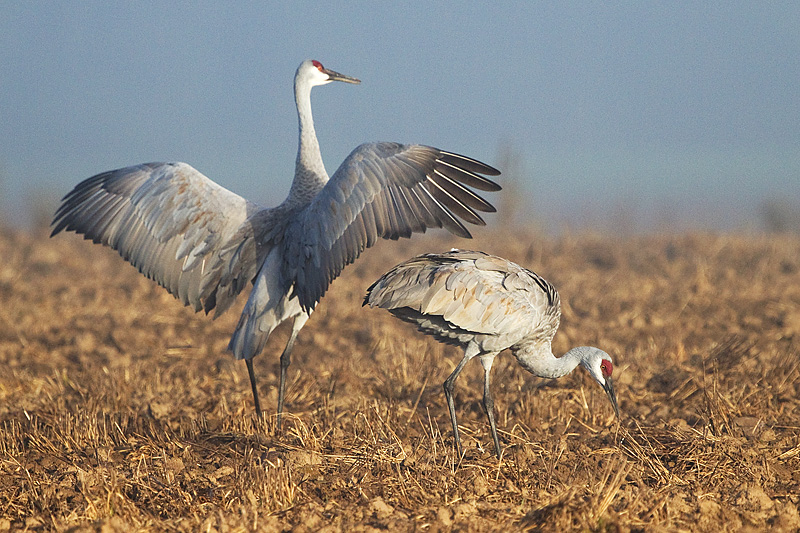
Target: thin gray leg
286	359
253	385
449	384
488	401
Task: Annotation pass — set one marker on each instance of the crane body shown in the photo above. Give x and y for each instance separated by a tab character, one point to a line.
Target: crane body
205	244
485	304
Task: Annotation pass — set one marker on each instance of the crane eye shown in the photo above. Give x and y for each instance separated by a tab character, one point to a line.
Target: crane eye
317	64
606	367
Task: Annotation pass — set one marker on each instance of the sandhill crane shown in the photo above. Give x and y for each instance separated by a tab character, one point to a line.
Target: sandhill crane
486	304
204	243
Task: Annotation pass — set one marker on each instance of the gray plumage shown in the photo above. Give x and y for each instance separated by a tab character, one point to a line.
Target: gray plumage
204	244
485	304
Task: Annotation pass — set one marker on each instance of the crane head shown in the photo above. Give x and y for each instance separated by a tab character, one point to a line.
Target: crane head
312	72
599	365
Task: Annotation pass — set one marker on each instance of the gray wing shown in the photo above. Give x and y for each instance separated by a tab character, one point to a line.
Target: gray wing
382	190
169	221
463	292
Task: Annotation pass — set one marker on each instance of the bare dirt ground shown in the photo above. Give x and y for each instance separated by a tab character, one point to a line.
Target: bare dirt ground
121	411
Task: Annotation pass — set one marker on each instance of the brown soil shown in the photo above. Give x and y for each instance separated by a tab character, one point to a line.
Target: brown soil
121	410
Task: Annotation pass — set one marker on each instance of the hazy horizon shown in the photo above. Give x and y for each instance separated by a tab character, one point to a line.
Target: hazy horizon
679	115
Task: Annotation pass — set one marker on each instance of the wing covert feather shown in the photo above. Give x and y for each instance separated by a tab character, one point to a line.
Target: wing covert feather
173	224
471	292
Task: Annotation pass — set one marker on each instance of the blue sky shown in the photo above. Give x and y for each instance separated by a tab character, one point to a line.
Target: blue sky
680	112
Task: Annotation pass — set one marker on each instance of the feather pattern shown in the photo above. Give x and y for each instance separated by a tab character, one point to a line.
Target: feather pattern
384	182
477	296
168	220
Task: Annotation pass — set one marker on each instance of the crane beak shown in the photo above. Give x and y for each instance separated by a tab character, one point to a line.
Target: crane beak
335	76
609	388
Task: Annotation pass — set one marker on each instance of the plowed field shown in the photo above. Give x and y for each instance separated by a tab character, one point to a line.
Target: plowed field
121	411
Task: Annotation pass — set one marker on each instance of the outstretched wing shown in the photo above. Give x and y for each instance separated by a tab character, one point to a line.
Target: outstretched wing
169	221
382	190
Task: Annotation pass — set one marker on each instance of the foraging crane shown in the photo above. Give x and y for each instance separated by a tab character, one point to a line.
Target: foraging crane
204	243
485	304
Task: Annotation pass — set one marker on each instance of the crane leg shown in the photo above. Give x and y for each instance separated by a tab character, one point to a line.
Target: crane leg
286	359
488	401
252	374
449	384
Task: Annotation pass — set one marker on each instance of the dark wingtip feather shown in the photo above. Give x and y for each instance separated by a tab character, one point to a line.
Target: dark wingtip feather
60	221
490	186
456	169
56	230
473	165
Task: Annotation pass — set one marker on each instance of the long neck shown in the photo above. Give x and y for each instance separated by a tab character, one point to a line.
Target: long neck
310	173
539	360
